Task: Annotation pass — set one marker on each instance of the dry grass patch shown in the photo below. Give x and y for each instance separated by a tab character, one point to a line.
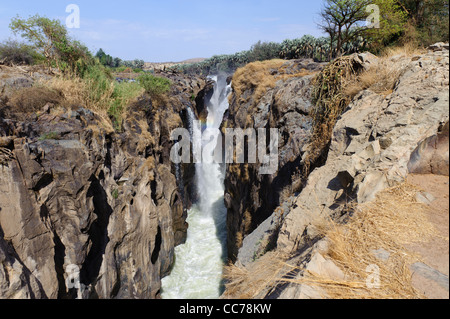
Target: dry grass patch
76	91
146	138
380	79
107	99
258	77
251	282
383	76
387	224
393	220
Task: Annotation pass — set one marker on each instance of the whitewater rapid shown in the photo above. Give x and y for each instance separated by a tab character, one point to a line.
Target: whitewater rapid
197	272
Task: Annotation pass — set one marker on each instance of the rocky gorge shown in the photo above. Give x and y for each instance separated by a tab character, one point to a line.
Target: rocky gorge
378	141
111	206
77	195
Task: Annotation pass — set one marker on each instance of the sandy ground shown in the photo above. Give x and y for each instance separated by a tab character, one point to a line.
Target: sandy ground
431	276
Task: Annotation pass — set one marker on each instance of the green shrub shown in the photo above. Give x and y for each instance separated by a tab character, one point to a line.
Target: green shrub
122	95
155	86
136	70
14	52
115	193
50	38
100	83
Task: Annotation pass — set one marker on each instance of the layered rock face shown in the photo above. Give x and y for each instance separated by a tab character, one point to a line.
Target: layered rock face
249	196
376	143
80	201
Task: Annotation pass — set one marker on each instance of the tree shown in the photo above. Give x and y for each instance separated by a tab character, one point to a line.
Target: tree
429	18
50	38
100	54
262	51
42	32
341	19
117	62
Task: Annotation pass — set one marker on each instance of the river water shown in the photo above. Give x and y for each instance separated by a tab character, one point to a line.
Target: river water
197	272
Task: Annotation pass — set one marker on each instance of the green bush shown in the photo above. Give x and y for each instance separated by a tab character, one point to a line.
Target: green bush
14	52
123	93
50	38
155	86
137	70
100	82
262	51
49	136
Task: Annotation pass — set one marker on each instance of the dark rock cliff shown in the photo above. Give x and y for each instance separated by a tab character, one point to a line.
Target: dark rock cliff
80	200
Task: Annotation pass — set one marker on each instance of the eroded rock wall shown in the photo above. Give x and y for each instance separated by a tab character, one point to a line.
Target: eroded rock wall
77	195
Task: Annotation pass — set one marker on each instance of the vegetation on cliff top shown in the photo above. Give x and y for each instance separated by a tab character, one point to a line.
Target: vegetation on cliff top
417	22
82	78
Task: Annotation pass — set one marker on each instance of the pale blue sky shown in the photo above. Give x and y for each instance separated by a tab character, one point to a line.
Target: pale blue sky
174	30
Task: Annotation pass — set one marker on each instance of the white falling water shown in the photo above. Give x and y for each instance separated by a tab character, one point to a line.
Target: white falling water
197	273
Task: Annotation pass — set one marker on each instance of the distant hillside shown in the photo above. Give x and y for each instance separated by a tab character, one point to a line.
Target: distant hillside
163	65
196	60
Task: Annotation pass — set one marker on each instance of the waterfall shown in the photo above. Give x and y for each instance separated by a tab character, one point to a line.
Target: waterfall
197	272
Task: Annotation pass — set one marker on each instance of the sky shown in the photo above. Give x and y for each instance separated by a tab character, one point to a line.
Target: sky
174	30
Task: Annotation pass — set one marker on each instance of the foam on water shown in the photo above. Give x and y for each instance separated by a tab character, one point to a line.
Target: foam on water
197	272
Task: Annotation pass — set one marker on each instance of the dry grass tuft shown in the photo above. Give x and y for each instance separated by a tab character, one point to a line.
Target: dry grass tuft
111	100
33	99
390	222
330	102
256	76
146	138
380	79
407	50
383	76
76	91
394	219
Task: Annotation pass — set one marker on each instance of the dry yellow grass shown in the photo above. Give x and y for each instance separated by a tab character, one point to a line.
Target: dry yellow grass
33	99
382	77
78	92
407	50
394	219
390	222
256	76
249	282
74	90
146	138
